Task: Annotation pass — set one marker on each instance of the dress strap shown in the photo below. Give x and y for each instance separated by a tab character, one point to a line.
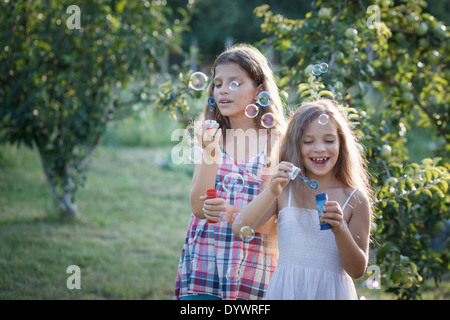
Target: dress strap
348	199
290	194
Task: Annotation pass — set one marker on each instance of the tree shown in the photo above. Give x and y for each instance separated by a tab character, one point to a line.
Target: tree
61	71
388	64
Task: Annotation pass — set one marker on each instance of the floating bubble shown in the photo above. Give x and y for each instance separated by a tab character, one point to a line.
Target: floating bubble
194	265
234	85
233	183
268	120
247	233
237	218
316	70
233	273
211	101
224	216
323	67
264	99
196	154
323	119
198	81
251	110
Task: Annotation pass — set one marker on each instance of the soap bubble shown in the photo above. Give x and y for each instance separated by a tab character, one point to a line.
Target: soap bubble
246	233
233	273
237	218
264	99
198	81
233	183
268	120
194	265
234	85
251	110
316	70
224	216
319	69
323	119
323	67
196	154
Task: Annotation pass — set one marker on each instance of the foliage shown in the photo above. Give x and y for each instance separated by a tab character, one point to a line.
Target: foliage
403	58
60	86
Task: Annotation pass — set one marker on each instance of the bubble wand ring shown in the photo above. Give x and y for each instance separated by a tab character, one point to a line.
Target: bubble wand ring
211	102
313	184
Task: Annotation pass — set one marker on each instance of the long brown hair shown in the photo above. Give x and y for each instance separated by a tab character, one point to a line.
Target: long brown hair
350	168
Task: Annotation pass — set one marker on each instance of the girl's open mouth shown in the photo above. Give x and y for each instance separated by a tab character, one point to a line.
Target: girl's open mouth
319	161
225	102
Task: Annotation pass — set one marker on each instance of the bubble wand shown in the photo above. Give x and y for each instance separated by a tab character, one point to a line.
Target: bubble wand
313	184
211	102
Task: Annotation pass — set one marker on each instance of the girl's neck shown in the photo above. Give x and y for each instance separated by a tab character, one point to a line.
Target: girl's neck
242	122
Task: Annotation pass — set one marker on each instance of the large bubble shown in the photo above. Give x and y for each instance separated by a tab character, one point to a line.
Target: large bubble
251	110
196	154
264	99
247	233
323	119
234	85
268	120
198	81
319	69
234	273
233	183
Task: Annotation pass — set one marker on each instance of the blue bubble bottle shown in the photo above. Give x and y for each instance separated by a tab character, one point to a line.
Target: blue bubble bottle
321	199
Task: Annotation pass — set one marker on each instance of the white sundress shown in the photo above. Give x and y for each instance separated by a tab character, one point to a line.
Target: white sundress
309	267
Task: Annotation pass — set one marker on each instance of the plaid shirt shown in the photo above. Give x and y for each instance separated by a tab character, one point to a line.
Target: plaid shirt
213	261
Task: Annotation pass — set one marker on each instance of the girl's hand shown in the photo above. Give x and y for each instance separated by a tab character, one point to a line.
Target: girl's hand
208	133
332	214
212	208
281	178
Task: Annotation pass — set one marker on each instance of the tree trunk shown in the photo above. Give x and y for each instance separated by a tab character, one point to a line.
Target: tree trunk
63	198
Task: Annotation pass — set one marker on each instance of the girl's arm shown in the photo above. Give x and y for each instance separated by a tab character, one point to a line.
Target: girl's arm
204	177
352	241
264	206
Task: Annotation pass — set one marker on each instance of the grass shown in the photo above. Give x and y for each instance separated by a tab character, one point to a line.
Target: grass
127	238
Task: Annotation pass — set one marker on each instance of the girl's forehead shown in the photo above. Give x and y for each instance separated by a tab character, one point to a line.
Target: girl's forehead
229	69
316	127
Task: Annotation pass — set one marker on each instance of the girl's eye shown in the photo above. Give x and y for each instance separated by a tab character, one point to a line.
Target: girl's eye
218	85
307	142
329	141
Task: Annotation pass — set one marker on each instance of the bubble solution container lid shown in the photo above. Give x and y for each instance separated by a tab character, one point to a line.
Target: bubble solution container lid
321	197
211	193
294	172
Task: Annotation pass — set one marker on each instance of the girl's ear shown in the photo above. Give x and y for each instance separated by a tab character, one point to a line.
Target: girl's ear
259	89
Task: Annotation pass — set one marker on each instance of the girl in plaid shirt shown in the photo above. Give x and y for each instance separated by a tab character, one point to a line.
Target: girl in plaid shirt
237	148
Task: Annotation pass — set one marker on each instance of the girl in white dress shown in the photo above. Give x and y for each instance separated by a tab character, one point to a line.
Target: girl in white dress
314	263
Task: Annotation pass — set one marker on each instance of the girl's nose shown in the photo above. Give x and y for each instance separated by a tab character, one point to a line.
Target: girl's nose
319	147
224	89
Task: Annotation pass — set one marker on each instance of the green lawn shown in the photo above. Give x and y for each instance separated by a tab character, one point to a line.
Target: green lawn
127	238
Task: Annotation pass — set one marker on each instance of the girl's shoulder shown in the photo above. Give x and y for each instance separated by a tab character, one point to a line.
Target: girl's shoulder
358	205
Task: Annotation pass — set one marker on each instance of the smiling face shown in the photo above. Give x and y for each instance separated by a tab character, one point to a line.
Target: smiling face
319	148
232	102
